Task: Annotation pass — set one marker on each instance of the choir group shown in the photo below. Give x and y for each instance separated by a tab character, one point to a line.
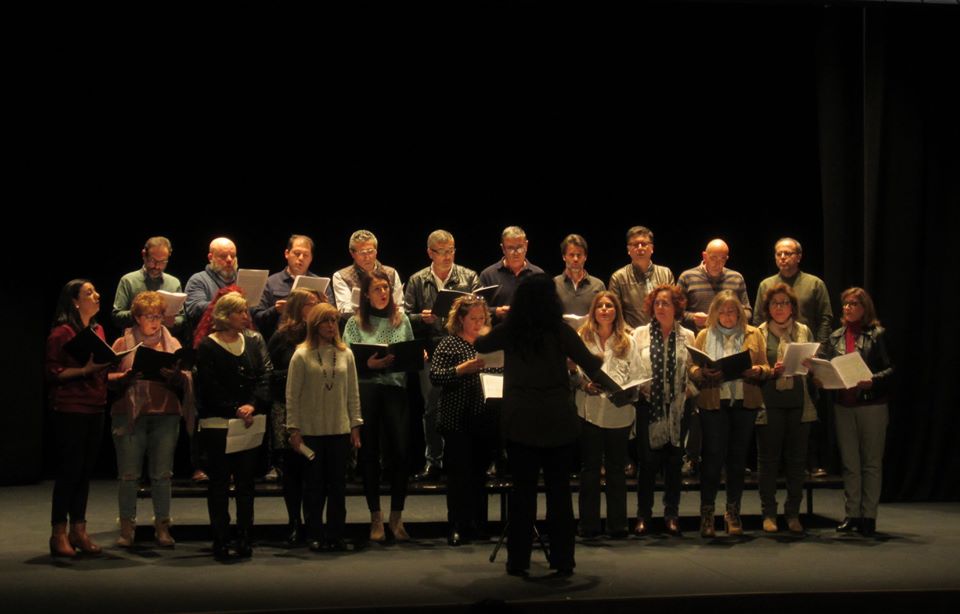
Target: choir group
647	374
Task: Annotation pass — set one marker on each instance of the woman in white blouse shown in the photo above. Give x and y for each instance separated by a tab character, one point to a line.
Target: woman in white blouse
323	417
605	427
664	362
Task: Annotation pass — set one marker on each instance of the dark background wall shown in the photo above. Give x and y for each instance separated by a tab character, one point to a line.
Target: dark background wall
745	122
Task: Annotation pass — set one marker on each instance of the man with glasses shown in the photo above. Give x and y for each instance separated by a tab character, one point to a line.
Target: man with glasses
812	295
510	271
632	282
363	250
814	309
419	297
156	254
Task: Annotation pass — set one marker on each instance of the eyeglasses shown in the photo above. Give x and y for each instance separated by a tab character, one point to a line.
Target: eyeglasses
639	244
366	252
154	262
780	304
784	254
514	249
444	252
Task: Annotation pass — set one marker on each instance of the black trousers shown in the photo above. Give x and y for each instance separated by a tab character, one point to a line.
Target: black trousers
326	483
608	448
726	441
293	467
77	438
783	437
386	430
466	458
669	458
220	466
525	464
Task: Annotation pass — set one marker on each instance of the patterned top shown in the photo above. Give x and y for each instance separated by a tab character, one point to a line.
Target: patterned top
383	332
461	407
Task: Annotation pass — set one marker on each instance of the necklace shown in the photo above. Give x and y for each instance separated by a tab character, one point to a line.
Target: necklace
333	370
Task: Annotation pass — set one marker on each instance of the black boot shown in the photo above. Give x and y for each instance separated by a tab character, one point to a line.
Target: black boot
868	527
295	535
244	549
849	525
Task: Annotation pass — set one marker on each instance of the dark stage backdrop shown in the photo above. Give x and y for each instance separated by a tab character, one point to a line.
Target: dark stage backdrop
742	122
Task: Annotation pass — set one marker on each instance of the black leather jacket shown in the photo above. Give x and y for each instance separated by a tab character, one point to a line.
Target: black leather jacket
871	343
224	382
421	292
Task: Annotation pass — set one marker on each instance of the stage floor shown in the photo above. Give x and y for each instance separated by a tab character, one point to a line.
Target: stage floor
914	560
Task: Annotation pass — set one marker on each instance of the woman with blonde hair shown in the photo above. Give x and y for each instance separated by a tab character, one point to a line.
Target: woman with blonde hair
728	408
323	419
604	427
233	381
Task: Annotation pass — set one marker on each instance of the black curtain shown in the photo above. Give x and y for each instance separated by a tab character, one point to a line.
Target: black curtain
889	143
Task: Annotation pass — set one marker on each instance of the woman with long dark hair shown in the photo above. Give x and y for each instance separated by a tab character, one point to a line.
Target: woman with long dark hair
539	421
383	402
78	396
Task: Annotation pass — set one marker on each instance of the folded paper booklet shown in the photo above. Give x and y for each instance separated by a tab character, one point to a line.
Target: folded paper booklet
445	298
252	282
842	372
493	360
240	437
318	284
86	344
732	366
173	301
492	386
794	356
407	356
149	361
619	395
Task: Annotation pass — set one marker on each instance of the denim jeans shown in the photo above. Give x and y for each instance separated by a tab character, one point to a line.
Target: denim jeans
153	436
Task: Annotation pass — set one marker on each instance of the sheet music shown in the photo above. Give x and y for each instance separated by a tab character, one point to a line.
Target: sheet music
252	281
240	438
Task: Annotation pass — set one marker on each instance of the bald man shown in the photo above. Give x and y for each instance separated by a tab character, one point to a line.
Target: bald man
704	282
220	271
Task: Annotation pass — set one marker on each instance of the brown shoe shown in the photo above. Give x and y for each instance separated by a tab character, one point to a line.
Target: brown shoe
199	477
161	532
59	544
707	528
793	523
770	525
80	540
396	527
641	527
732	523
127	530
377	534
673	525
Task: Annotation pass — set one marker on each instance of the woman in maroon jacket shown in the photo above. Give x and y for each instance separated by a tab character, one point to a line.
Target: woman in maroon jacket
78	395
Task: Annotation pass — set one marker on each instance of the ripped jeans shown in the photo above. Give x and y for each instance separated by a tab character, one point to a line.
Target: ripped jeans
155	436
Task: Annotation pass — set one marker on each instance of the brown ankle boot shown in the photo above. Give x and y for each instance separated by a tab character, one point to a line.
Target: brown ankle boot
707	528
162	535
731	521
377	533
396	527
128	528
80	540
59	544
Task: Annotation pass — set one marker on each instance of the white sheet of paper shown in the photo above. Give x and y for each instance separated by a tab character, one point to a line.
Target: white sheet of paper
843	372
240	438
493	360
173	300
355	298
311	283
252	281
492	385
795	354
